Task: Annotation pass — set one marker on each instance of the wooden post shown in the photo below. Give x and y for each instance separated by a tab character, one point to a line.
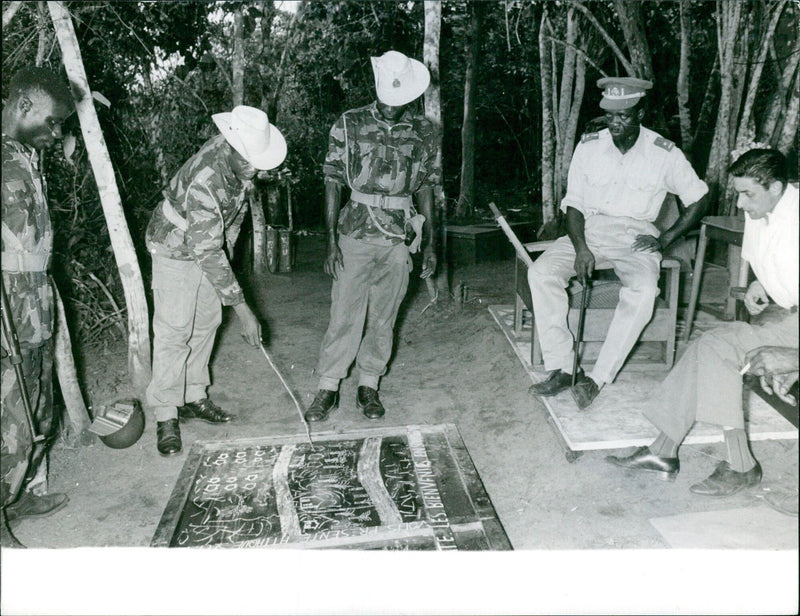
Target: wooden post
121	242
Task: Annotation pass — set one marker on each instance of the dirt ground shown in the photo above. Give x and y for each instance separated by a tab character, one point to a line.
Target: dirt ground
451	364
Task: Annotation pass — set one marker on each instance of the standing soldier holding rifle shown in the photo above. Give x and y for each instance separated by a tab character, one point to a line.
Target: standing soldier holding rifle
38	104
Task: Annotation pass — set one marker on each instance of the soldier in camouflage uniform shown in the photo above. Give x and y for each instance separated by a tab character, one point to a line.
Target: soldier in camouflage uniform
191	237
38	104
385	154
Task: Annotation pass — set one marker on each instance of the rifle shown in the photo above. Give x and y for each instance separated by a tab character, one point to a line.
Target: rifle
10	334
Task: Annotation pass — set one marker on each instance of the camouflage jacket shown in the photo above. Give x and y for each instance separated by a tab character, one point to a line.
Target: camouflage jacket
27	244
201	216
369	155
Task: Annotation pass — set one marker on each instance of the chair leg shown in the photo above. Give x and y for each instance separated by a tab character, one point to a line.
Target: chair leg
519	306
698	273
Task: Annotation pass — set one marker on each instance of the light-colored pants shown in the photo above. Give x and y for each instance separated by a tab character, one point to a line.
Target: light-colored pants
610	239
370	289
705	384
187	312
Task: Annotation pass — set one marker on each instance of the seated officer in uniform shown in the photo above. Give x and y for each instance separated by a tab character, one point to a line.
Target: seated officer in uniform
617	182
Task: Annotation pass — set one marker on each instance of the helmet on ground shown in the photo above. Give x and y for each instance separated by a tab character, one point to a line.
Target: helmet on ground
121	424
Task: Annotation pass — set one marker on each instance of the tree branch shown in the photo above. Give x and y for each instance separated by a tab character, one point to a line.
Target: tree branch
606	36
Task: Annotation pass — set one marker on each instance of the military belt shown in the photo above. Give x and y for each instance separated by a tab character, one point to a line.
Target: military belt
387	202
24	262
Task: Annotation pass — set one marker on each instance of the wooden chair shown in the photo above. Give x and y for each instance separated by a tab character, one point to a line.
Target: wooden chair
728	229
604	296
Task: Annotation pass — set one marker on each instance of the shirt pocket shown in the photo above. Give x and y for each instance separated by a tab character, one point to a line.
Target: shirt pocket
643	178
363	159
598	178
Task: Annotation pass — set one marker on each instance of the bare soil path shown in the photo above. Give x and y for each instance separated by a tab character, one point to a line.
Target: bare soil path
451	365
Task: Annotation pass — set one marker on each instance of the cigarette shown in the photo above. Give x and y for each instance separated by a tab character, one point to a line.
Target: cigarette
745	368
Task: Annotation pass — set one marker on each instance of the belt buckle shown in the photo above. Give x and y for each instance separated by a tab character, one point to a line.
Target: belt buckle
381	201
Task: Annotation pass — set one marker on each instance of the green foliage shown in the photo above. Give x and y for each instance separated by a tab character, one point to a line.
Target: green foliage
165	67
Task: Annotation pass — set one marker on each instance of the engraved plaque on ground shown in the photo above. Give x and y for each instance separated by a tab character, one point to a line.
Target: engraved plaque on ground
404	488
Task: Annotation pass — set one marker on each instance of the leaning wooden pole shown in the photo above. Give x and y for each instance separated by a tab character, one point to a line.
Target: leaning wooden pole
121	242
518	247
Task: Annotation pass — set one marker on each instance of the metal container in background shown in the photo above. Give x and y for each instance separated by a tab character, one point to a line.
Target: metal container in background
286	252
272	249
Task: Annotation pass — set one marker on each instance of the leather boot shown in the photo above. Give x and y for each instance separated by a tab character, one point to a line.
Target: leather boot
554	384
7	538
368	402
324	402
29	505
168	435
206	410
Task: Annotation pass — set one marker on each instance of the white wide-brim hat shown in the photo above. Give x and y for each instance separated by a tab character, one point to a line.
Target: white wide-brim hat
249	132
399	79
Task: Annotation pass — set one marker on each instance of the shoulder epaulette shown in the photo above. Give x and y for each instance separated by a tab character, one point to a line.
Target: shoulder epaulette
589	137
664	144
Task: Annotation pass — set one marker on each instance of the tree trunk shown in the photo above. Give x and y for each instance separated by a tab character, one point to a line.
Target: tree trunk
571	128
788	138
630	18
564	110
758	68
466	196
10	10
629	68
280	74
43	33
709	100
744	134
68	376
728	29
777	108
433	111
237	62
683	80
259	231
130	274
548	137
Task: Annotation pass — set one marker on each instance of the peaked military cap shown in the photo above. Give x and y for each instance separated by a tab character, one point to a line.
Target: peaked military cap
622	92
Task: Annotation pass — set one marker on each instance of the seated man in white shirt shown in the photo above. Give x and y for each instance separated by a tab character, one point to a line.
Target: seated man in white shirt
706	384
618	179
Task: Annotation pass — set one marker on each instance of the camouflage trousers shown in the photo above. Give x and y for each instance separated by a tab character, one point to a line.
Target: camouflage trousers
19	459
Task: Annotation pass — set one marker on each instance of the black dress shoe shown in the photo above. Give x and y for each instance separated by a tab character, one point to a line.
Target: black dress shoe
643	459
168	435
557	382
204	409
368	402
29	505
725	481
584	392
321	407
